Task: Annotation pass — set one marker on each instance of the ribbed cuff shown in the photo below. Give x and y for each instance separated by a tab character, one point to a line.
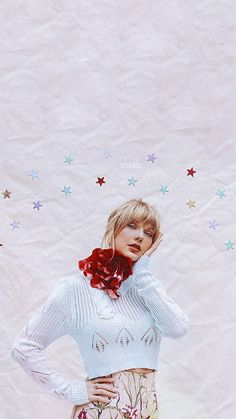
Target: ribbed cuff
142	264
79	393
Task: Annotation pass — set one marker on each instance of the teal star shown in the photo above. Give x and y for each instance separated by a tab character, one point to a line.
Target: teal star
229	244
132	181
163	189
220	193
66	190
68	159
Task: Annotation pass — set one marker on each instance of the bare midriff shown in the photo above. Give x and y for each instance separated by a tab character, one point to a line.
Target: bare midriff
141	370
138	370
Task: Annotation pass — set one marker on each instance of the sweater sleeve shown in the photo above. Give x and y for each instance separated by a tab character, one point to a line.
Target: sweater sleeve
51	321
169	317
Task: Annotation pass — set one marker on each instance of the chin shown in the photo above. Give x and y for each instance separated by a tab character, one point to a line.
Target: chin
132	256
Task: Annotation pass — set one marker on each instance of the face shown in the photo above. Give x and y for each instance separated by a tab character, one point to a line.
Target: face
134	233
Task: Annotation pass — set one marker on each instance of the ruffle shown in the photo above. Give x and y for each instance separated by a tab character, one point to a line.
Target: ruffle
103	302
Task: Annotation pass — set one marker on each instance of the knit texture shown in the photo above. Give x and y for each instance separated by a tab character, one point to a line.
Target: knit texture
112	334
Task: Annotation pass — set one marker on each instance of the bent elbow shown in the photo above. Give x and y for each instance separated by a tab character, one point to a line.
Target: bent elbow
182	328
181	332
20	350
16	353
176	330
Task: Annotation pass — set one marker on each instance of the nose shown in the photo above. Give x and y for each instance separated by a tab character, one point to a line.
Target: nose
139	234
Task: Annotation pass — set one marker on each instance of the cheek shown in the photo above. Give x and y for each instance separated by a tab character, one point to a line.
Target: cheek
121	237
148	243
124	232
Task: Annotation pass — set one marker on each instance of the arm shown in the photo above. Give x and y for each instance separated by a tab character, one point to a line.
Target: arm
49	323
169	318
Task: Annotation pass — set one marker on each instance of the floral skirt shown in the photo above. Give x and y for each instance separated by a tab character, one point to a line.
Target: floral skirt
136	398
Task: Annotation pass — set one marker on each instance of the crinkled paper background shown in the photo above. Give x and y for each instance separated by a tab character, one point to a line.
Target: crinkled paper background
91	89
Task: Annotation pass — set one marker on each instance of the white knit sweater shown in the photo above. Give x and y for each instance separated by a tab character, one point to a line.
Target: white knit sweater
112	334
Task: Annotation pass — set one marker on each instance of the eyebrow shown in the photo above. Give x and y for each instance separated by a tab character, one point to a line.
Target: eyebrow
147	225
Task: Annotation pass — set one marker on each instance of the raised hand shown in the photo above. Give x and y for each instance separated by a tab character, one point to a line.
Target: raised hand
154	245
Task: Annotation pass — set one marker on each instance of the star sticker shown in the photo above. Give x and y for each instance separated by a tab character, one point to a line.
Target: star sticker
163	189
220	193
132	181
68	159
229	244
213	224
66	190
107	153
6	194
34	174
14	224
37	205
191	172
151	157
191	203
100	180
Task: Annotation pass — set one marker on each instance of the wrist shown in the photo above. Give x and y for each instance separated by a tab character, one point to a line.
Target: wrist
79	392
141	264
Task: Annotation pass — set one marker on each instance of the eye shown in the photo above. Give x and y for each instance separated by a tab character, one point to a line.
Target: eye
132	225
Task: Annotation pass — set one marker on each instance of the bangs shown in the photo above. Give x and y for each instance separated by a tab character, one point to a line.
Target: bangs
141	213
143	218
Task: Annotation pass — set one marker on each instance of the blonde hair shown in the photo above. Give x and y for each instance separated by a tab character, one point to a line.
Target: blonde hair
132	210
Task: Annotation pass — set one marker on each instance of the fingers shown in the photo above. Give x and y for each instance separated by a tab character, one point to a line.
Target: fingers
101	386
102	389
159	239
101	379
160	236
101	399
155	245
108	392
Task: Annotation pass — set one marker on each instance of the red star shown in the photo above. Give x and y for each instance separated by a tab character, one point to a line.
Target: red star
100	180
191	172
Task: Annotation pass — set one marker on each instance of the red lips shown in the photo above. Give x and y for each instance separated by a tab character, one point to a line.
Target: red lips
135	246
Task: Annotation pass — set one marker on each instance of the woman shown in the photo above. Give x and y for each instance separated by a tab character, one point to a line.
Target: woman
117	313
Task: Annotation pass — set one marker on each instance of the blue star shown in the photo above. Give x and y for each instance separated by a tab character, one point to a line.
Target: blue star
163	189
68	159
66	190
37	205
151	157
34	174
107	153
213	224
132	181
220	193
229	244
15	224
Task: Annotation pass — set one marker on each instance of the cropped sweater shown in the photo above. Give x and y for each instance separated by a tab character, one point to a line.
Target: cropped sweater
112	334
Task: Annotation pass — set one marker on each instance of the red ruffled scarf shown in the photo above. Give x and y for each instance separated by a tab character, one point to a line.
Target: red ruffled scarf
107	274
